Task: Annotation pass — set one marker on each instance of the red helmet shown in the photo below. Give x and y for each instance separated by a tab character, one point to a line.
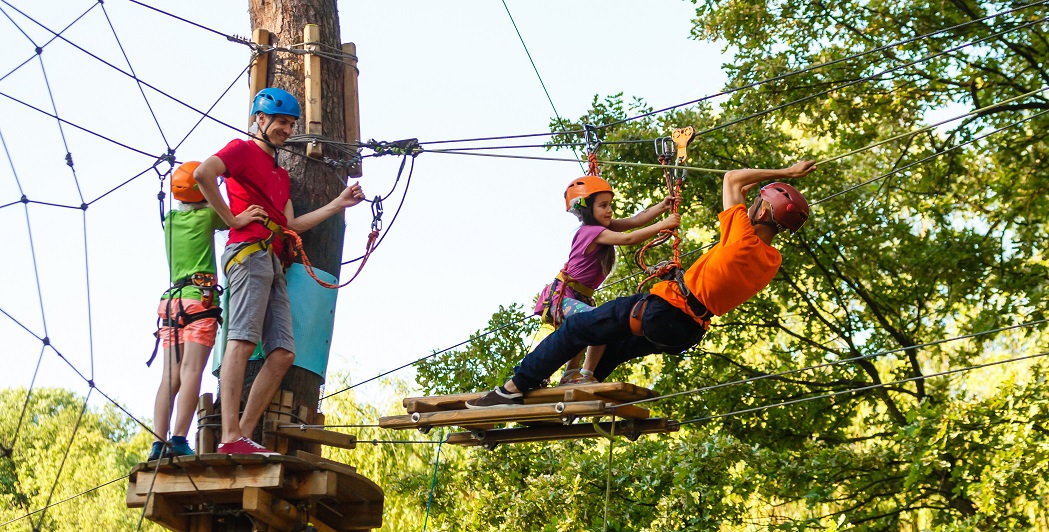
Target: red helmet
789	207
183	186
580	189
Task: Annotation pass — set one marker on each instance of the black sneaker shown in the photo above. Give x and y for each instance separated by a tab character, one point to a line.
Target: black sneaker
497	397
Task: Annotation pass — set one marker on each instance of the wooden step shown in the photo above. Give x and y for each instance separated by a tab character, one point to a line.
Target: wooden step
503	414
630	429
612	392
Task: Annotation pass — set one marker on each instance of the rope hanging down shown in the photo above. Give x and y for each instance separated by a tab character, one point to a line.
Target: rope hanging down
369	246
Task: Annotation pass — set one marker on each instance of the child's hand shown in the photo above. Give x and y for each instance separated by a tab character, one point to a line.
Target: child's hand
671	222
253	213
666	204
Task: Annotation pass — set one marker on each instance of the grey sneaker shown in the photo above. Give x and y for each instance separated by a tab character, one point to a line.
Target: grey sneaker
497	397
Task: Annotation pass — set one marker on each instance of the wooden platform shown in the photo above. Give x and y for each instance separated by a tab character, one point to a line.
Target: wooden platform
278	492
549	413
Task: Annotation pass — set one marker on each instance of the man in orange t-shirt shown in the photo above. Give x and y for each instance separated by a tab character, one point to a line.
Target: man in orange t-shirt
675	314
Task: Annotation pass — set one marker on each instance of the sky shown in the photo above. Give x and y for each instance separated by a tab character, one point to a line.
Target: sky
474	232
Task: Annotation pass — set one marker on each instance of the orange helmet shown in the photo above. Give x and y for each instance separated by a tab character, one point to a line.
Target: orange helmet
183	186
580	189
789	207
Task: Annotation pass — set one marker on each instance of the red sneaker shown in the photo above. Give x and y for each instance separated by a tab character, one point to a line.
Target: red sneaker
245	446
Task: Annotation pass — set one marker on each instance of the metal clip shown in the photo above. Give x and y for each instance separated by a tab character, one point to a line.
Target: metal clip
377	213
664	148
592	140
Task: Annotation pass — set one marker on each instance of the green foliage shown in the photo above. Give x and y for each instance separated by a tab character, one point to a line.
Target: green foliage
106	445
485	362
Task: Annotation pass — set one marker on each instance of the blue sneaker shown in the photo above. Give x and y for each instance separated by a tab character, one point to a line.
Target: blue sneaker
179	447
154	451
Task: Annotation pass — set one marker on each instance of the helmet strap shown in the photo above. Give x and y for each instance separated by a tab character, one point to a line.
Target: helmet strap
266	139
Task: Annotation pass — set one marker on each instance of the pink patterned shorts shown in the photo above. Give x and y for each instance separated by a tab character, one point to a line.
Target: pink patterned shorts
202	331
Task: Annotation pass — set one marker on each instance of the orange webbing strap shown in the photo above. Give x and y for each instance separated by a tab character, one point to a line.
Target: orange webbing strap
296	243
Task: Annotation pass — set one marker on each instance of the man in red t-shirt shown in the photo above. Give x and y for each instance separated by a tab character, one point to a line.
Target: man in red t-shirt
259	209
674	316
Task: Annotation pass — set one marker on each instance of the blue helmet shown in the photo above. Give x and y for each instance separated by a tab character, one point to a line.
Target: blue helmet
274	101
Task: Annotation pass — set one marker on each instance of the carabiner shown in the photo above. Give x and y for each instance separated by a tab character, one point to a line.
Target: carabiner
591	138
377	213
664	148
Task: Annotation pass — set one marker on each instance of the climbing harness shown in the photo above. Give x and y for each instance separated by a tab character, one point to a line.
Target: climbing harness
553	313
637	313
676	147
265	244
209	288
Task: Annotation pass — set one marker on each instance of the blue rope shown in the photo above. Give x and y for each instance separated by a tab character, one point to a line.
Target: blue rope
433	481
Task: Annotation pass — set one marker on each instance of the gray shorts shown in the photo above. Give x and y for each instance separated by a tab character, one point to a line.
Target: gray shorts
259	308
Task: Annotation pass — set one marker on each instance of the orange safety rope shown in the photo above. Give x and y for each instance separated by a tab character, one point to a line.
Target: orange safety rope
665	267
296	242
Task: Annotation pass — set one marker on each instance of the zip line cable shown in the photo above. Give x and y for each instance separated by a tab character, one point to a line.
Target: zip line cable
713	170
861	389
829	63
560	122
933	156
761	82
841	362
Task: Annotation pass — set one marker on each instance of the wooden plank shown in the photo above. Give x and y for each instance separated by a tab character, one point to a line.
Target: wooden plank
216	479
134	500
628	411
316	419
312	484
270	510
355	516
620	392
625	428
259	67
311	35
324	437
330	465
494	415
159	510
351	101
608	391
205	435
355	488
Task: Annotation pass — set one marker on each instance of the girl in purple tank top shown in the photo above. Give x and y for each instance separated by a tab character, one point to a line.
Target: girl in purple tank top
590	260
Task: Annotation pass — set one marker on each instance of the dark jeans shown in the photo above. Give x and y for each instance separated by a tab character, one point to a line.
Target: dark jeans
666	329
